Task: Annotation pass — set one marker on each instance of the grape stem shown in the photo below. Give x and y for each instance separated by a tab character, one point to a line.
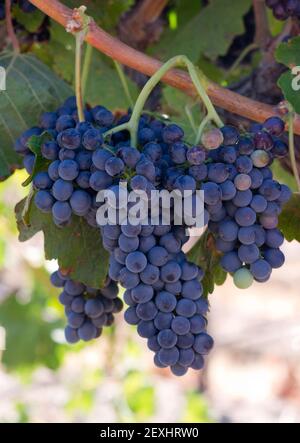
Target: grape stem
198	80
292	149
86	67
78	25
124	83
202	126
241	57
78	88
190	117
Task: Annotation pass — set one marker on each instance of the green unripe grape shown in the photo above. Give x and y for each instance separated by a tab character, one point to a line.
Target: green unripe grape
243	278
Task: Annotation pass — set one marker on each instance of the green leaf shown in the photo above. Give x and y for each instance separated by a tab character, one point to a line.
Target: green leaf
28	333
285	83
32	21
77	247
289	219
103	85
139	394
210	32
283	176
40	163
174	104
31	88
289	54
205	255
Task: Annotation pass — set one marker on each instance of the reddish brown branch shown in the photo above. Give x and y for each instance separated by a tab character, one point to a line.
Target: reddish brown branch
9	26
132	58
145	20
262	31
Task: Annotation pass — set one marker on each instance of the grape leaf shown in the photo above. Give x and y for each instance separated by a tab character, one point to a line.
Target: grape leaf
40	163
288	53
35	346
103	85
77	247
205	255
289	219
32	21
177	105
31	88
210	32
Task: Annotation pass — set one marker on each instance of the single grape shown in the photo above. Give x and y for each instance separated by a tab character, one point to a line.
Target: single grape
42	180
243	278
180	325
80	202
44	201
146	329
87	331
274	257
203	343
213	138
167	338
136	261
61	211
68	169
158	256
165	301
146	311
231	262
186	308
168	357
163	320
142	293
172	134
62	189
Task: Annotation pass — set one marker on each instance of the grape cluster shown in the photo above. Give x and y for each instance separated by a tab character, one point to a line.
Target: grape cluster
68	185
242	200
163	290
88	310
283	9
24	5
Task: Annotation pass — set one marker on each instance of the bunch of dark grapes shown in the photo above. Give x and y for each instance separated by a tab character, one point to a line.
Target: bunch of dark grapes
283	9
242	200
88	310
24	5
68	184
163	290
241	207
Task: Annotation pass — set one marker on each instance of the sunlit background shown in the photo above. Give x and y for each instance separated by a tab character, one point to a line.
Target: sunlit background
252	375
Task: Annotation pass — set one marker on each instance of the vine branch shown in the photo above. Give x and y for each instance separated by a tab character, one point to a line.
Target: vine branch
115	49
10	28
262	31
142	18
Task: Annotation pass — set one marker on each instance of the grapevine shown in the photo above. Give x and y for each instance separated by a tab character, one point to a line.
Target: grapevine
78	150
